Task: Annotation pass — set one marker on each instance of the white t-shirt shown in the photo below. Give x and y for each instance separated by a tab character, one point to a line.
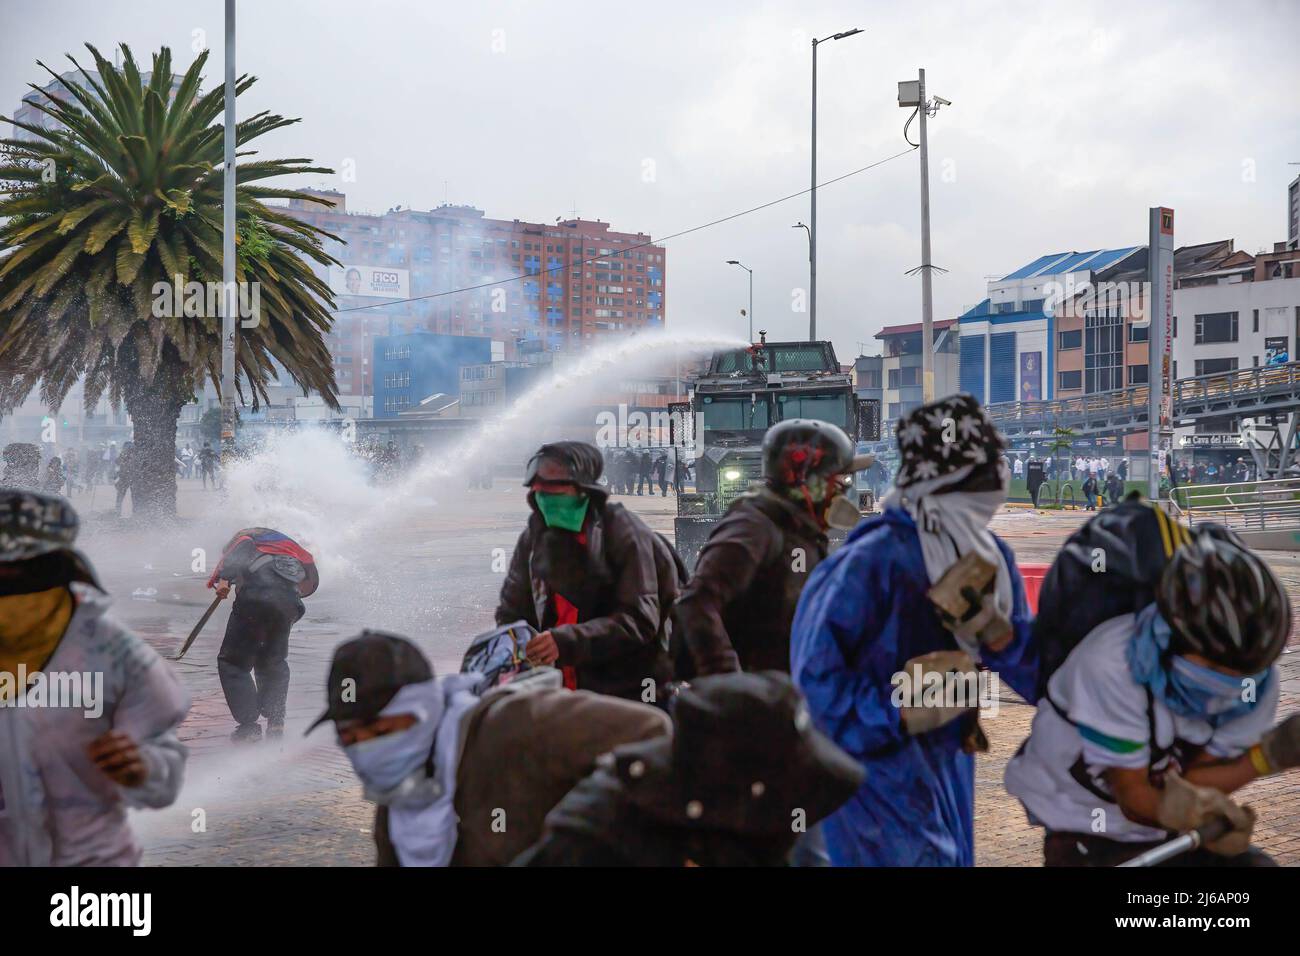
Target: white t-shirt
1019	468
1109	726
1079	464
1104	464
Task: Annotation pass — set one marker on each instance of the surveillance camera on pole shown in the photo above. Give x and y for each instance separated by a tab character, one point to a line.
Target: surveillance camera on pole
911	95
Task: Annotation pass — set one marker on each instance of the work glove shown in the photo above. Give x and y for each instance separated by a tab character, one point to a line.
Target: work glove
989	627
964	598
921	719
1281	745
1185	806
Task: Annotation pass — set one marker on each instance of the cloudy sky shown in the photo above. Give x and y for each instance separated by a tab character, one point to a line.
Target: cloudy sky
1068	121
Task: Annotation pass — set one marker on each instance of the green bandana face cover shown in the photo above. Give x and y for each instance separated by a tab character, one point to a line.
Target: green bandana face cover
566	512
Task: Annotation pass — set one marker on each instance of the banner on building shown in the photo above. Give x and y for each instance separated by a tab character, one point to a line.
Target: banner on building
377	282
1276	351
1031	376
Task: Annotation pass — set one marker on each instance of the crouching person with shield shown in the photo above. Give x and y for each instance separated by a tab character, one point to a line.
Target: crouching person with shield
271	574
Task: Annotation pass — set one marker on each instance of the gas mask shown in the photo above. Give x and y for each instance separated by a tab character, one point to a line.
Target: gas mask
841	513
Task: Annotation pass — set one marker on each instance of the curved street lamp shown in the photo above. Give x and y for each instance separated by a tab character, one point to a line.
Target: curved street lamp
737	262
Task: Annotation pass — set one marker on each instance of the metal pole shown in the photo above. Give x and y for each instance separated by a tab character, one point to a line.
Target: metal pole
927	298
228	255
812	229
751	304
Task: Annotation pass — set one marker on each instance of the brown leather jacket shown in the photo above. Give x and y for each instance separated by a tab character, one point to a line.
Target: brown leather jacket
521	752
736	612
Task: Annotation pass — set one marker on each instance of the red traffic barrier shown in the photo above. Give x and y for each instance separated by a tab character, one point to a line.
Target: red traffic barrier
1033	575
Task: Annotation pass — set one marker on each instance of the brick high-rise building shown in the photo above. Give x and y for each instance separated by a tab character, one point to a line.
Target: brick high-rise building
535	287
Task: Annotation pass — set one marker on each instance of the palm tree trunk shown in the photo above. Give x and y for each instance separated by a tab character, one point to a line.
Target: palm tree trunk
154	411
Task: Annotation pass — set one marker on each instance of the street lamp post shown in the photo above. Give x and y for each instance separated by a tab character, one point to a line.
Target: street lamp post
737	262
228	257
812	232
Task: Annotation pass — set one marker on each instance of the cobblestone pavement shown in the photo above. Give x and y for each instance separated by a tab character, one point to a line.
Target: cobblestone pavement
295	801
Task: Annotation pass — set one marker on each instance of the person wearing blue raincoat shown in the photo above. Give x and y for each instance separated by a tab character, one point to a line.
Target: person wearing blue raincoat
864	619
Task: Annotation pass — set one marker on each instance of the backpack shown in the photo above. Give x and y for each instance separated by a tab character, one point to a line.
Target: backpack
1108	567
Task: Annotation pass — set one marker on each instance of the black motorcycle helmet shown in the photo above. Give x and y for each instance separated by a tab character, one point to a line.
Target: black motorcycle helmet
1224	603
798	448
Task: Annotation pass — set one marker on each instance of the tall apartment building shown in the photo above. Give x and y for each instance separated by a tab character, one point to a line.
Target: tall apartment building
454	271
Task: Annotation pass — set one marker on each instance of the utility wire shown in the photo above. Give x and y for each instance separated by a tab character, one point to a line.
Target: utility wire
651	242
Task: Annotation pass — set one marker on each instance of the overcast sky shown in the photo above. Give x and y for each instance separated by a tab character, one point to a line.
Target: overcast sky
1068	121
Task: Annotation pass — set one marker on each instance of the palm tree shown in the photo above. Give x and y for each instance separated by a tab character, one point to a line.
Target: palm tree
123	194
1062	440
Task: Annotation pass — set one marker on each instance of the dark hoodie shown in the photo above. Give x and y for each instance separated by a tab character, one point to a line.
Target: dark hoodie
616	579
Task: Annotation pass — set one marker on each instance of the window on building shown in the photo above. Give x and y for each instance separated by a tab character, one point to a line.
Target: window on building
1216	327
1103	351
1137	374
1214	366
1071	340
1139	333
1254	327
1067	381
894	378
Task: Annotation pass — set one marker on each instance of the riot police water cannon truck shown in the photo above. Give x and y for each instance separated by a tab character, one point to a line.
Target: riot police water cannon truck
744	392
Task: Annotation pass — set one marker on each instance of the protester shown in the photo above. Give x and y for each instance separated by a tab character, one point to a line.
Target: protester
643	473
1114	488
270	573
71	471
55	477
592	578
1090	492
742	776
736	611
126	474
70	771
207	459
1155	716
462	779
866	617
681	472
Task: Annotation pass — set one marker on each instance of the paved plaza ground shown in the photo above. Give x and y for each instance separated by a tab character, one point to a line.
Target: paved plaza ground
432	571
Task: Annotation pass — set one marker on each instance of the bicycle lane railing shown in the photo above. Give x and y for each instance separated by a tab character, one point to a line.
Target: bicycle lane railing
1244	506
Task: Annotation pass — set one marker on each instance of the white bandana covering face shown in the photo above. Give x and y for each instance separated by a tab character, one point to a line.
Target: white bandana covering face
953	524
422	821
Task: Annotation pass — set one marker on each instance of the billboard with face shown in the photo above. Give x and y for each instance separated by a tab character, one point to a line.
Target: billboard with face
378	282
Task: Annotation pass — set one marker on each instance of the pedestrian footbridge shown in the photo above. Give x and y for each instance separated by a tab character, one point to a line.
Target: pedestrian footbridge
1245	392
